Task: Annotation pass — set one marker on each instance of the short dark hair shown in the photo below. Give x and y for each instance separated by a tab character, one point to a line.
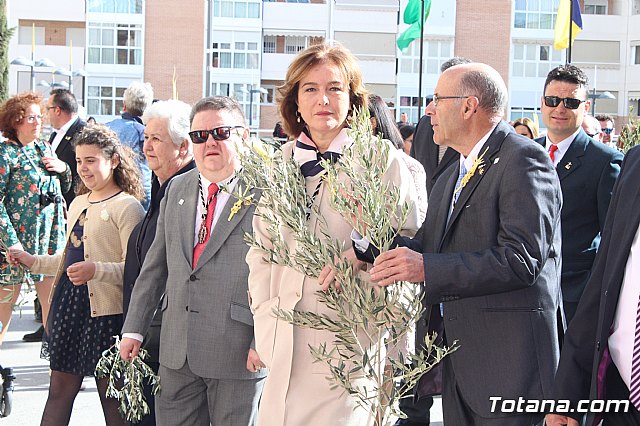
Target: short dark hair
406	130
606	117
219	103
569	74
456	60
65	100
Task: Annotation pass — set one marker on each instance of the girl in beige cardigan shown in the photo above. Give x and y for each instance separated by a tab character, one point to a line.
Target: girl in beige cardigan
86	300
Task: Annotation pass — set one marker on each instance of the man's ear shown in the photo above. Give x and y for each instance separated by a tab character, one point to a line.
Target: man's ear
245	134
471	106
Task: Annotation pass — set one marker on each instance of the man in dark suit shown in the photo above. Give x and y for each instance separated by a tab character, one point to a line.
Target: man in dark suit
488	255
62	109
434	158
587	170
596	361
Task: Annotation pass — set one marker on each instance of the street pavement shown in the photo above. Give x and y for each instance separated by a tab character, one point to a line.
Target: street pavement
32	380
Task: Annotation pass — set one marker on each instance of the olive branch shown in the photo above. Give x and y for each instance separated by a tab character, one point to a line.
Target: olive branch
370	324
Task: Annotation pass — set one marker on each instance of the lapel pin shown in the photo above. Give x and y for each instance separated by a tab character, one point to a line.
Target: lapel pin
481	171
181	202
568	165
67	138
496	160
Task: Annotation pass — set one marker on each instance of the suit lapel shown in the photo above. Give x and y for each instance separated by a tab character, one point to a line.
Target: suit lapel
492	147
187	203
571	159
223	228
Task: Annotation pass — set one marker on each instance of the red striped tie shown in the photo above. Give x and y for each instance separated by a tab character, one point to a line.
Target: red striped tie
552	152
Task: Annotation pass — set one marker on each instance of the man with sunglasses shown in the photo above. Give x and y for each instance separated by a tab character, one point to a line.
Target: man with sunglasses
591	127
208	369
608	128
587	172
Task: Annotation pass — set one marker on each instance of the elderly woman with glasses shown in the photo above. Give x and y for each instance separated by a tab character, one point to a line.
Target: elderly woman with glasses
323	87
32	180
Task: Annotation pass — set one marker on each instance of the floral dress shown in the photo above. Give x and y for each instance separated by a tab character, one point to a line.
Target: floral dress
31	205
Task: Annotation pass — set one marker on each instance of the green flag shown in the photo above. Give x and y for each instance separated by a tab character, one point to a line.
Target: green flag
412	17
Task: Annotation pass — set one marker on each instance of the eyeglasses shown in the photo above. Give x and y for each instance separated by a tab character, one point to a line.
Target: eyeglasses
52	107
221	133
608	130
569	103
32	118
437	98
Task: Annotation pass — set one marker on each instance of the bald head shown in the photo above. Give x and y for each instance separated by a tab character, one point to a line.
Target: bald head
483	82
592	127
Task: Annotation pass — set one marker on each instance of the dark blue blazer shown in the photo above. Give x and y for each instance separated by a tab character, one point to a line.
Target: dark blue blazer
586	338
587	173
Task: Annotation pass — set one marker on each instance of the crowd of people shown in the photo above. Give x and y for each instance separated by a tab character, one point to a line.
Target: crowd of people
521	242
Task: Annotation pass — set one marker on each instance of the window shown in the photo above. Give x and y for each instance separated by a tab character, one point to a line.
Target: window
236	8
294	44
244	55
529	112
115	44
26	33
435	53
409	105
530	60
105	100
114	6
535	14
595	9
269	97
636	51
269	44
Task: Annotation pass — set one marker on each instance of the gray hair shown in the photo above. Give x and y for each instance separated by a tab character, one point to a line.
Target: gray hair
137	97
219	103
456	60
176	113
487	85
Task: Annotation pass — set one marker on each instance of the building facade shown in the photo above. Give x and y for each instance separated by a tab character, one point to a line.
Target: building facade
242	48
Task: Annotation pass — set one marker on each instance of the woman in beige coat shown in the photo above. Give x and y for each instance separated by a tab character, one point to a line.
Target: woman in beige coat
322	87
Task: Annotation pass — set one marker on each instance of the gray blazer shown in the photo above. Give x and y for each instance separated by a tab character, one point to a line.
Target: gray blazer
206	316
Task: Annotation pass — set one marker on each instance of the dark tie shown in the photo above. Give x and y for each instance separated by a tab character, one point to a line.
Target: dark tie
312	166
634	383
552	152
52	137
208	220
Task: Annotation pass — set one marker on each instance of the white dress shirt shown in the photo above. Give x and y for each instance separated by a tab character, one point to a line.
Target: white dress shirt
61	132
624	323
563	146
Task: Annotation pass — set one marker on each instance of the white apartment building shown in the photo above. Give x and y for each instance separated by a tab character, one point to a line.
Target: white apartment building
242	48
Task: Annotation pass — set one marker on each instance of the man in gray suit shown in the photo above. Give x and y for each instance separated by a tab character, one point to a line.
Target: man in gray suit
488	254
208	369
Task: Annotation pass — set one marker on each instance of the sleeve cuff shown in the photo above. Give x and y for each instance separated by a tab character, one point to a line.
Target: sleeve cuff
137	336
360	243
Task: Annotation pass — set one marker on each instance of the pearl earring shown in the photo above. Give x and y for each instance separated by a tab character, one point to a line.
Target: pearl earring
298	116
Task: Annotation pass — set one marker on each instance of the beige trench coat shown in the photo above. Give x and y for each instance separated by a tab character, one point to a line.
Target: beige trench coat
297	391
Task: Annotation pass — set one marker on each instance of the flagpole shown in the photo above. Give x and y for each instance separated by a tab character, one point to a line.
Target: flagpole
421	23
570	32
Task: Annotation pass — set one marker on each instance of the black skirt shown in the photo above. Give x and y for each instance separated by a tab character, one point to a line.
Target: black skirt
74	341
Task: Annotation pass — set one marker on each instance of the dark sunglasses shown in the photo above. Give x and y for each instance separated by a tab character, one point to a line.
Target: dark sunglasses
569	103
608	130
221	133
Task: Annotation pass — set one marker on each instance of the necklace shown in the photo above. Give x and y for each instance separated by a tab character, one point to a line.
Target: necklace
103	200
202	232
